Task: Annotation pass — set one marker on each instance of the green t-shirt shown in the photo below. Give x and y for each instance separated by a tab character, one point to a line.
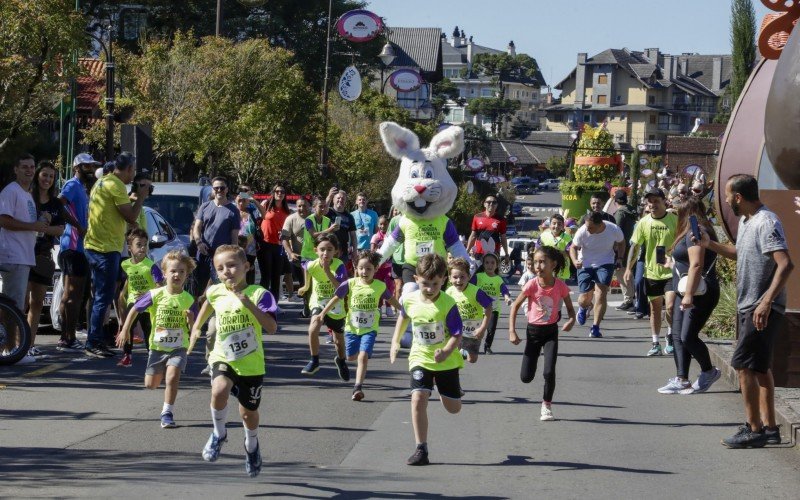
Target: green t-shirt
423	236
322	289
397	256
169	320
363	315
141	278
106	232
653	233
493	287
431	325
469	307
238	342
561	243
307	252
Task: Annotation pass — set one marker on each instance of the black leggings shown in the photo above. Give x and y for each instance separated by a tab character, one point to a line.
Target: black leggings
541	336
270	263
143	320
686	326
490	328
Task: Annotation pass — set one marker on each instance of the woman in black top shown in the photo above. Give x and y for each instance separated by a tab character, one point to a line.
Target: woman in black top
48	208
690	314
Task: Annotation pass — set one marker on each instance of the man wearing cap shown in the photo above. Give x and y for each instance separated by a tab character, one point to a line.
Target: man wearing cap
71	258
656	231
625	218
110	211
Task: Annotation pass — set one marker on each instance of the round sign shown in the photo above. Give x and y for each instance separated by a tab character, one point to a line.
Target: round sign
405	80
643	161
641	147
359	25
350	84
513	159
475	163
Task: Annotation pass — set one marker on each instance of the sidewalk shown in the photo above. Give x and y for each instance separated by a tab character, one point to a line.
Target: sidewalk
787	400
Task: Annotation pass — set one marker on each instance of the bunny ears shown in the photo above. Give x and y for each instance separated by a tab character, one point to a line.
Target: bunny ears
401	142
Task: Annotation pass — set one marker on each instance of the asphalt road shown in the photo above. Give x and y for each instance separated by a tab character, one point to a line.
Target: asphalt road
71	427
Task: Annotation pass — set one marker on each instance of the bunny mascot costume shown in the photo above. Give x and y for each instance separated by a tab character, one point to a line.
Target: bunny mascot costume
424	192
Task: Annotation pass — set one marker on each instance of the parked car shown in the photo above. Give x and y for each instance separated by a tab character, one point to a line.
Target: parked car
521	180
177	202
550	184
511	230
516	209
527	188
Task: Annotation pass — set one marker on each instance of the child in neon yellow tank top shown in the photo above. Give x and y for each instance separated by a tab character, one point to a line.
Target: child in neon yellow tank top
363	295
434	358
237	359
474	305
142	276
493	285
173	311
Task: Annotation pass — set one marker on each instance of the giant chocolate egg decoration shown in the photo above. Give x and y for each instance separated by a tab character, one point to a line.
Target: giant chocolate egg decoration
782	124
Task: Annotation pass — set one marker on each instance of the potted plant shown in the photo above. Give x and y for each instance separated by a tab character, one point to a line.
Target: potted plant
596	164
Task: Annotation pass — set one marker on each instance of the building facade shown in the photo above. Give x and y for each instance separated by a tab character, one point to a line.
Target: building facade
642	97
458	54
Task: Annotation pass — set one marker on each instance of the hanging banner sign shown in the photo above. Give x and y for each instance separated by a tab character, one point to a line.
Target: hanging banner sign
513	159
350	84
359	25
475	163
405	80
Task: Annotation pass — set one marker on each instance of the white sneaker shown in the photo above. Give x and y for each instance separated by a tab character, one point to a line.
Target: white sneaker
26	360
705	380
675	386
547	413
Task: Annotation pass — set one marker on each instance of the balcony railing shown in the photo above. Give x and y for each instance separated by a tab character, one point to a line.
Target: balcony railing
670	127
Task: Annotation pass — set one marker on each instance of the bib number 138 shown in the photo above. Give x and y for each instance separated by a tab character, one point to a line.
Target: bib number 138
429	333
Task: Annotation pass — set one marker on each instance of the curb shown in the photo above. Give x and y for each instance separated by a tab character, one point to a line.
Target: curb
786	415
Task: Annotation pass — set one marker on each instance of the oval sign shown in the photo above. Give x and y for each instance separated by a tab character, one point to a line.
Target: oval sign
350	84
405	80
643	161
359	25
513	159
475	163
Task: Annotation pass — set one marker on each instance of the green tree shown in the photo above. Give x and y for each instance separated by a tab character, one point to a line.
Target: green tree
442	92
501	68
743	45
558	166
466	205
35	41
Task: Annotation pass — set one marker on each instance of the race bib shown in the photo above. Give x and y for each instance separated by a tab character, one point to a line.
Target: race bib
469	328
429	333
337	309
170	338
239	344
362	319
424	248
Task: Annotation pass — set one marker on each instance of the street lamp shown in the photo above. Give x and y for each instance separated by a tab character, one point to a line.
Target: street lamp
387	56
110	91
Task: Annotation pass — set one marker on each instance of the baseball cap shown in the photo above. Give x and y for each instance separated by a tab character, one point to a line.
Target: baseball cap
621	197
654	191
245	195
84	159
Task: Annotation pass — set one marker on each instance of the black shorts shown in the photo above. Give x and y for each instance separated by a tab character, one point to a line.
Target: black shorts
408	273
754	349
397	270
247	389
447	381
657	288
73	263
287	265
337	325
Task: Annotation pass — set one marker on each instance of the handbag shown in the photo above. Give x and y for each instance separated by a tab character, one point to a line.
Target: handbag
45	267
702	287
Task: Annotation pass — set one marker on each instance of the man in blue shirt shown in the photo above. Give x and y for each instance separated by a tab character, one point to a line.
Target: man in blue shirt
366	222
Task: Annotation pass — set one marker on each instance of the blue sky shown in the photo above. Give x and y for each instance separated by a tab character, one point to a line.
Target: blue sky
553	32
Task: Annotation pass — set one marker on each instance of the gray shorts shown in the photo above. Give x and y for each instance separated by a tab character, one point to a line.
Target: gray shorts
158	361
470	345
14	282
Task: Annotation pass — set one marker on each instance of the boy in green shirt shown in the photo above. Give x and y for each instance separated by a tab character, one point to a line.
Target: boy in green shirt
434	357
237	360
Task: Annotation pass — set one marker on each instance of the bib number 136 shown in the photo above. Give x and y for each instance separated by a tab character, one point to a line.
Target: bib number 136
239	344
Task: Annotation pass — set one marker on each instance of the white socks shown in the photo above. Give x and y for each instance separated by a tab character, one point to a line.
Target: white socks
167	408
218	418
250	439
655	339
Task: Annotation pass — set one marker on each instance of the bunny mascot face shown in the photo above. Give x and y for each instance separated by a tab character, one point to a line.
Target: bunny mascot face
424	192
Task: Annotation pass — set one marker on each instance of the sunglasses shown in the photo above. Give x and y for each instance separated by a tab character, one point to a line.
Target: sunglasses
220	188
279	191
490	202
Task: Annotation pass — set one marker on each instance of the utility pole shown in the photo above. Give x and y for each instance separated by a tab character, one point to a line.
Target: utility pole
323	154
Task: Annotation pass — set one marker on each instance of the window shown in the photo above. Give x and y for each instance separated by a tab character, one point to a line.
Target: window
558	117
651	100
456	115
651	137
602	99
413	100
602	79
652	119
618	99
452	73
587	118
488	92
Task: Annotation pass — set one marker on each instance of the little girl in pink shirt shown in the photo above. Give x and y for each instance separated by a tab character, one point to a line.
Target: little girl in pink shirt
544	293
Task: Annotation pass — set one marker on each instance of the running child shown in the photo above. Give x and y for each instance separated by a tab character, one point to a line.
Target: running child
494	286
434	357
544	294
143	275
323	276
474	306
362	294
237	359
172	310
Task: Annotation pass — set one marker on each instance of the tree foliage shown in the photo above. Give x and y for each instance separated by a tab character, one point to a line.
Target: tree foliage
466	205
558	166
36	39
743	45
442	92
